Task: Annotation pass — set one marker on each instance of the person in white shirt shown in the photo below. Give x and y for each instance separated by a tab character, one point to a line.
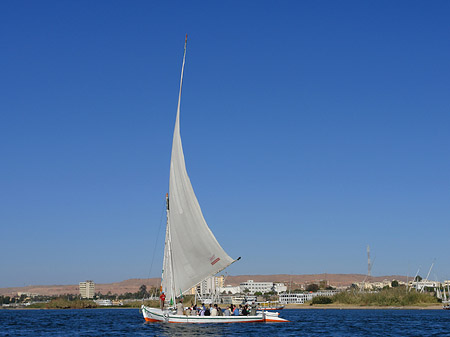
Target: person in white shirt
180	307
214	310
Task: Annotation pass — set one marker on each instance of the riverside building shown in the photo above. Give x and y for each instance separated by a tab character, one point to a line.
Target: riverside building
87	289
300	298
252	287
208	286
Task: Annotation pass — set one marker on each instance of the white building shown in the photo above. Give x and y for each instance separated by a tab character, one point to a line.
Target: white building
377	285
263	287
87	289
298	298
230	290
279	287
301	298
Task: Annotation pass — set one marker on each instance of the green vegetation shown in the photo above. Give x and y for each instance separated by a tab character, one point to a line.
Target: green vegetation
138	303
321	300
74	301
312	287
138	295
6	300
64	303
397	296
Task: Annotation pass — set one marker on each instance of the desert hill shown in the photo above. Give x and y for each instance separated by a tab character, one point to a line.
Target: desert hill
132	285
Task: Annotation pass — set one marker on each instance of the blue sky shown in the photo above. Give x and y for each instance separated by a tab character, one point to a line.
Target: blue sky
310	129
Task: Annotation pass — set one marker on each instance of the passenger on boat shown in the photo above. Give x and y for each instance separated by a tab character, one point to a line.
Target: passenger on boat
214	310
202	310
194	311
219	311
245	311
227	312
180	307
253	309
236	311
162	298
208	311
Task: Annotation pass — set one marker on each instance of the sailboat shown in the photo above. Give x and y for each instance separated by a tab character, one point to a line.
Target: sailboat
446	298
191	252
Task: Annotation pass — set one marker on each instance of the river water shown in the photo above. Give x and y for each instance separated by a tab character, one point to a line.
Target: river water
304	322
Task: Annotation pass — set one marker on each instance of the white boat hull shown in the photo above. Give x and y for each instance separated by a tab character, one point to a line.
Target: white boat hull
157	315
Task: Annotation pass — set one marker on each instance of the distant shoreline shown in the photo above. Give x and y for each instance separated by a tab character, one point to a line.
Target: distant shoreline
132	285
432	306
287	306
24	308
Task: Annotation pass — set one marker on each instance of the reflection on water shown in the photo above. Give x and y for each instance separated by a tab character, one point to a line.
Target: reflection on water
176	330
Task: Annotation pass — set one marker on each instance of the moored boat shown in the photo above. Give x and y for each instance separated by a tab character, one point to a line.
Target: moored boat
269	306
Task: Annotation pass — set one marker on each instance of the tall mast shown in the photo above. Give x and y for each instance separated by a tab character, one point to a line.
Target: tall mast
167	269
169	238
181	79
194	253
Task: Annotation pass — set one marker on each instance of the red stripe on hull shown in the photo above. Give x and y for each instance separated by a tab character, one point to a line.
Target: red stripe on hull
150	319
258	321
276	321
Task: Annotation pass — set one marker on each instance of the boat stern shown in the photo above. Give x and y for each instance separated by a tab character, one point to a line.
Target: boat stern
273	317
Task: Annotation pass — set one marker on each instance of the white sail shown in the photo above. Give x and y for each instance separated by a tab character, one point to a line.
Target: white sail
167	274
191	248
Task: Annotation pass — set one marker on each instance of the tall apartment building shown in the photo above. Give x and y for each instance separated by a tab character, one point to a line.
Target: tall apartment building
210	285
87	289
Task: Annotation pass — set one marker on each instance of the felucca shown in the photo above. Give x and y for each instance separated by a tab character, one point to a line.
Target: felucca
191	252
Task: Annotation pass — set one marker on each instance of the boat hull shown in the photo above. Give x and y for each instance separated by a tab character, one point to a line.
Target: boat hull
157	315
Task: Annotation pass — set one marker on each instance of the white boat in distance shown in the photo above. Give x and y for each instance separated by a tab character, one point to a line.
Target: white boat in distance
191	252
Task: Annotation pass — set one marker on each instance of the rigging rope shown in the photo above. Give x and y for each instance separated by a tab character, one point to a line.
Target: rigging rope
156	239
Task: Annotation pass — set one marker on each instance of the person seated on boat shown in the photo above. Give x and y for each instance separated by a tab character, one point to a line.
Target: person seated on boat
219	311
227	312
236	311
180	307
202	310
244	310
214	310
208	310
194	311
253	309
188	311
